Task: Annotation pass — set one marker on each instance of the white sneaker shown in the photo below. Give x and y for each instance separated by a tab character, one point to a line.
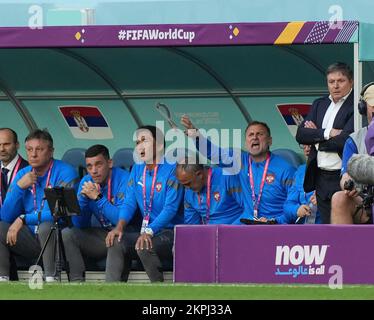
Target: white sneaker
51	279
4	278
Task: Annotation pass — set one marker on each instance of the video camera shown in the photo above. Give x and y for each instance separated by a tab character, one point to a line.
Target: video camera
360	168
366	192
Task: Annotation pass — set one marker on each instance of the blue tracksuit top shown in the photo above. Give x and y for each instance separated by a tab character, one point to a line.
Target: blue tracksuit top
167	205
103	208
22	200
297	196
278	180
225	201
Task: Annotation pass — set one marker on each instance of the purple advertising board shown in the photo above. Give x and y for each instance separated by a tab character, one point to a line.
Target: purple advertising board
287	254
195	254
304	32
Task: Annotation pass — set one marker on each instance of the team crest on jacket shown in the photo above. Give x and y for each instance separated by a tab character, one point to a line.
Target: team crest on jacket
270	177
216	196
158	186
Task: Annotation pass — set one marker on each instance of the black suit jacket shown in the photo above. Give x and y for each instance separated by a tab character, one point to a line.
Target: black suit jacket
343	121
23	164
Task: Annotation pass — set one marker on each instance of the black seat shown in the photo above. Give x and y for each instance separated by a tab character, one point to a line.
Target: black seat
123	158
76	158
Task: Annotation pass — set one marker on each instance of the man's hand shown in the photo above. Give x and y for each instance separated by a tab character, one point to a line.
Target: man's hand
27	180
11	237
313	198
109	240
335	132
262	219
90	190
352	193
310	125
191	130
144	242
303	211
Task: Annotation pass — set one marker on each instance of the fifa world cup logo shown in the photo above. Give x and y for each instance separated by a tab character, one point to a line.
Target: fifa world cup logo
82	124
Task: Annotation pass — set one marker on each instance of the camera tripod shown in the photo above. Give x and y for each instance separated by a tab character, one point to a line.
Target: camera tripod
60	257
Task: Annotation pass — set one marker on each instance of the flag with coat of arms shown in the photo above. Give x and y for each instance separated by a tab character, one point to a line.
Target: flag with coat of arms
86	122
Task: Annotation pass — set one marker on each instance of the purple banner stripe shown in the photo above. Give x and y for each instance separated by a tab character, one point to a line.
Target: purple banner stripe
305	30
347	32
150	35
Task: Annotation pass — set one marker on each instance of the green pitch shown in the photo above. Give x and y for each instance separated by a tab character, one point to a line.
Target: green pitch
102	291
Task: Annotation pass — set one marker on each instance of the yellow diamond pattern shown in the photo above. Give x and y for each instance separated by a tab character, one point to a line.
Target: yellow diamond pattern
78	36
236	32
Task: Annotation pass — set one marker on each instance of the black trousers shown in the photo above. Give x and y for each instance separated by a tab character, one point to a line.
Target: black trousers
327	183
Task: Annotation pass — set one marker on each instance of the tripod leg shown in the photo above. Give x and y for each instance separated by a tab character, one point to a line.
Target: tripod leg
58	256
63	255
44	246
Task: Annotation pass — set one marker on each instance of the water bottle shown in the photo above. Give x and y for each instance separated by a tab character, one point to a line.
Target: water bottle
313	211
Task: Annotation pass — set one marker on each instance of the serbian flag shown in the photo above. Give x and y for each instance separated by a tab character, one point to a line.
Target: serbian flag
293	114
86	122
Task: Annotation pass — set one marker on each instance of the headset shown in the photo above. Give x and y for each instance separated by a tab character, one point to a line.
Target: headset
362	105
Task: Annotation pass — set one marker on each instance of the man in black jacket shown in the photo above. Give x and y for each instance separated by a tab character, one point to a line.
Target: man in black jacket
11	163
326	128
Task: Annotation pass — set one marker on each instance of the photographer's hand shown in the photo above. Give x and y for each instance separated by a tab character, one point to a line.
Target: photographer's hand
352	193
90	190
27	180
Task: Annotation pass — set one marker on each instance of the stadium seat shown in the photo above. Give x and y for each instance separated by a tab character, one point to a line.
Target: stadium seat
123	158
76	158
289	155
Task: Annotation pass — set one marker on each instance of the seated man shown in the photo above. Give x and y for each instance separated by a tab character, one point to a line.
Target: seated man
265	177
154	189
301	206
25	217
101	193
210	197
11	163
345	203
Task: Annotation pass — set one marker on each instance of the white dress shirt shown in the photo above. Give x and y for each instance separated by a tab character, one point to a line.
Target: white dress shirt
10	166
330	160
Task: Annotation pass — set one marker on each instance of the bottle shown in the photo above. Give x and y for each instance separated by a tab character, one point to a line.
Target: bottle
313	210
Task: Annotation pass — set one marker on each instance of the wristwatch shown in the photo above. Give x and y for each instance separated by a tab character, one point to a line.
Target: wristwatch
99	197
23	218
148	231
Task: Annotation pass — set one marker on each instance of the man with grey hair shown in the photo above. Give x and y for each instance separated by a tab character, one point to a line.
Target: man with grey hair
25	217
345	202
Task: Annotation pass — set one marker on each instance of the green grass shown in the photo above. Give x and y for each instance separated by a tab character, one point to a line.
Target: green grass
103	291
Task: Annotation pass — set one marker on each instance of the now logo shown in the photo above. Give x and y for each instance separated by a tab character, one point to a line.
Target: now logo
297	255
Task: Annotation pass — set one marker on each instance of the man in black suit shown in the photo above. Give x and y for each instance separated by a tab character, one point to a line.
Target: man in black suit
326	128
11	163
